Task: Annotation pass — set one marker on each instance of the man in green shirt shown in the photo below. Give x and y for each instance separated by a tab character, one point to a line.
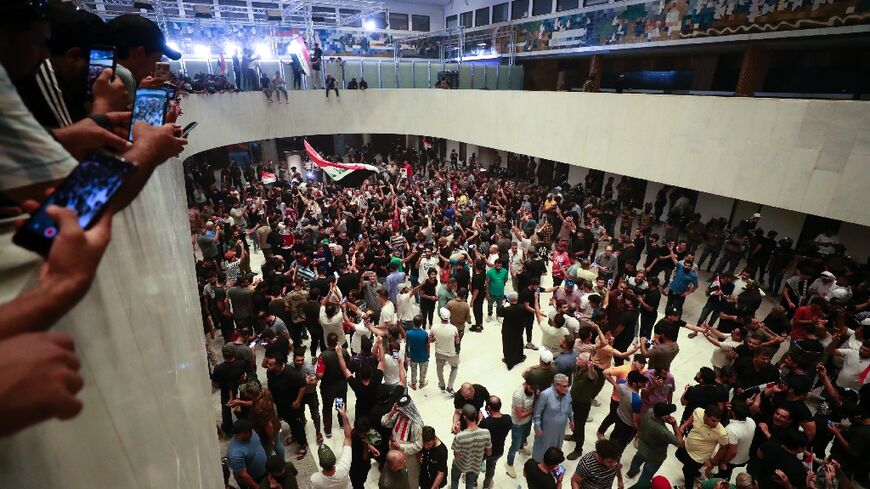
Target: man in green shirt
495	280
585	385
653	440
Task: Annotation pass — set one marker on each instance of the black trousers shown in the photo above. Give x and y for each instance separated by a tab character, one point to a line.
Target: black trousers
610	418
328	392
690	467
477	309
427	310
512	345
622	432
296	420
647	321
675	300
316	332
581	414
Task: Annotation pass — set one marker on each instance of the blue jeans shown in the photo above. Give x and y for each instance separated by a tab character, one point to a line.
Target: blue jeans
470	478
519	434
649	468
497	299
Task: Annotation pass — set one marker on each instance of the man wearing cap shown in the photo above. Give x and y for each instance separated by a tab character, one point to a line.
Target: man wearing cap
654	438
139	45
567	292
446	339
335	472
470	446
512	331
246	456
553	413
280	474
541	376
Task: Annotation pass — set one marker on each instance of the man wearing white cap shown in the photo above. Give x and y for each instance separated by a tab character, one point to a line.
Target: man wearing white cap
446	338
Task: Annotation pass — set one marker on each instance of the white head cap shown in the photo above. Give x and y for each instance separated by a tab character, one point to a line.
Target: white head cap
444	313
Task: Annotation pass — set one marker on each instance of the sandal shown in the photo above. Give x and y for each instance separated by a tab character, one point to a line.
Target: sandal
319	438
413	386
301	453
423	384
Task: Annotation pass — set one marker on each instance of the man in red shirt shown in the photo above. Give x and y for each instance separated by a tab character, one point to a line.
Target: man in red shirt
807	318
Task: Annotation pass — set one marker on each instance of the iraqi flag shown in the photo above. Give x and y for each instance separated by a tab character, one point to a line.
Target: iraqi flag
344	174
427	144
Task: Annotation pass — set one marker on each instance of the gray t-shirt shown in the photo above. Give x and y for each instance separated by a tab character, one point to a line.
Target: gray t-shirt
630	403
520	398
207	246
240	298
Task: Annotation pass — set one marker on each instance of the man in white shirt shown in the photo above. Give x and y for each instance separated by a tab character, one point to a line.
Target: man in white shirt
446	337
334	474
388	310
741	429
856	366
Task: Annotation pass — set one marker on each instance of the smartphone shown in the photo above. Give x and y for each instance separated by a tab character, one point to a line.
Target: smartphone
87	190
339	403
161	70
395	355
170	90
559	471
149	106
188	128
100	58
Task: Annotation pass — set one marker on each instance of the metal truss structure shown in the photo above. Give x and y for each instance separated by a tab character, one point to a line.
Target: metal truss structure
305	14
453	42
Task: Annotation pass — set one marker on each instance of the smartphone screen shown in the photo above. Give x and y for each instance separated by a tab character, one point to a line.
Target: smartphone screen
339	403
149	106
87	190
161	70
170	91
101	57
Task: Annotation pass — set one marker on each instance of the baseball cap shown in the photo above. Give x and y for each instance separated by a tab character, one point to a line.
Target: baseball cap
672	311
72	27
228	349
469	411
326	456
444	313
129	31
546	356
569	283
662	409
511	296
659	482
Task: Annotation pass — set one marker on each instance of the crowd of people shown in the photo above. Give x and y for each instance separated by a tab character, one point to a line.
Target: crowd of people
360	287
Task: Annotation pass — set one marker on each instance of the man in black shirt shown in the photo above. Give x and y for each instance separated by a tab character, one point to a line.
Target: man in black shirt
433	461
755	371
288	389
543	475
648	305
227	377
781	467
365	385
499	426
473	394
705	393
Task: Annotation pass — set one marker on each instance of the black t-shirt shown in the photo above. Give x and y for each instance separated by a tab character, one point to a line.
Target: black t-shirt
285	387
526	296
348	282
536	268
366	395
729	309
674	328
776	457
747	376
433	461
800	413
778	326
537	478
498	431
428	288
652	297
478	282
312	313
703	395
321	284
463	278
228	376
281	345
477	400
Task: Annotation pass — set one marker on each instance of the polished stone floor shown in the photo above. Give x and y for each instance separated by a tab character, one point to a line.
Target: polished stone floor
480	362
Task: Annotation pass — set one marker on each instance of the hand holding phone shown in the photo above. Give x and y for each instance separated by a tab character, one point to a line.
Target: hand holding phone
87	192
188	128
339	403
100	58
149	106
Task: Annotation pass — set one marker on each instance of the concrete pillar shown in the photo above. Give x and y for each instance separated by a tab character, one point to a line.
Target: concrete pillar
295	161
576	174
596	68
751	71
269	150
366	139
338	144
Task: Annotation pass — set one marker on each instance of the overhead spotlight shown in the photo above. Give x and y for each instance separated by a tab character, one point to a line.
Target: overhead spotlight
143	4
201	51
370	25
202	11
274	14
231	48
263	50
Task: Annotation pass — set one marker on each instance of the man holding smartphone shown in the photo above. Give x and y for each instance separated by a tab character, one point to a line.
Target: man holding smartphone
139	45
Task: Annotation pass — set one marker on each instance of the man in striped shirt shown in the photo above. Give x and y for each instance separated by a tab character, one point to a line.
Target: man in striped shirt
470	446
596	470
